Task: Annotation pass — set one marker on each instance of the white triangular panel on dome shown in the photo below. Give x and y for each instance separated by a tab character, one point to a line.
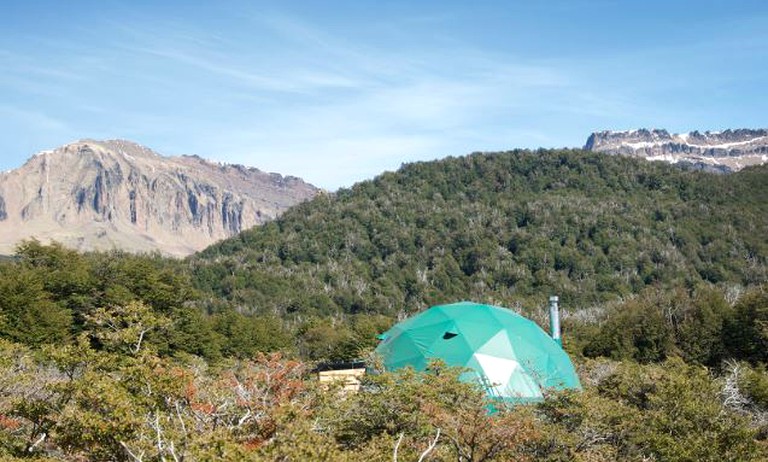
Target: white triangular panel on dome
497	370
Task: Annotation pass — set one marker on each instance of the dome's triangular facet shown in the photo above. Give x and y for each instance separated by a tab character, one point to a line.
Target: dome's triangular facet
497	370
498	345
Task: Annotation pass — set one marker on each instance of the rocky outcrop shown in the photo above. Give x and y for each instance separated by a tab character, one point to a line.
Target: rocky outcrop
725	151
117	194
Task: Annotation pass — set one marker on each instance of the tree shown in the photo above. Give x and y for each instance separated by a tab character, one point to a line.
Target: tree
28	313
747	332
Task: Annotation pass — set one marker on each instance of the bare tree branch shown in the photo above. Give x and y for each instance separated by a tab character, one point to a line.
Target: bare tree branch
181	421
172	450
431	446
134	457
244	418
36	443
397	446
138	343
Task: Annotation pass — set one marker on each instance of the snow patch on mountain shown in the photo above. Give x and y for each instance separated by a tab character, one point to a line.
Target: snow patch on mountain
722	151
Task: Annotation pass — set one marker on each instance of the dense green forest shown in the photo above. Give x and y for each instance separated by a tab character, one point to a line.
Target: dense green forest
661	271
508	228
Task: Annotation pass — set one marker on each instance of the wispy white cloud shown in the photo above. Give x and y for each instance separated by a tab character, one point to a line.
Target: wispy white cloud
294	94
36	119
355	107
23	73
363	108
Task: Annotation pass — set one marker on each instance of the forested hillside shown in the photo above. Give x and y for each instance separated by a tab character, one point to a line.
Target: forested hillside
507	228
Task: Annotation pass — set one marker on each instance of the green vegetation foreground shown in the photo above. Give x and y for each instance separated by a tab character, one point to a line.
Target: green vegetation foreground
124	402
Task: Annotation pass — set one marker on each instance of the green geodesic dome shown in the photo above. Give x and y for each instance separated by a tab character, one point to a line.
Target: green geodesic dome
511	356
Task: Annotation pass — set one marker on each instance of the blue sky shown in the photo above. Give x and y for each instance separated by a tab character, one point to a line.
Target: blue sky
337	92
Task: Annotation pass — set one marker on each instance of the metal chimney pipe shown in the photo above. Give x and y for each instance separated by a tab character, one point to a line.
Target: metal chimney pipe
554	319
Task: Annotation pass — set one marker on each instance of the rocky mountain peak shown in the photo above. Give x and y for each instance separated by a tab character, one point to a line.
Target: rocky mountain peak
725	151
94	194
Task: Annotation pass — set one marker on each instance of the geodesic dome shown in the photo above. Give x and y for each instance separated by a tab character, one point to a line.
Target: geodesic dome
511	356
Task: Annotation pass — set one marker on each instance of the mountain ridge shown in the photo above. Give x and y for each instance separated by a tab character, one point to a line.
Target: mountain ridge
98	195
719	151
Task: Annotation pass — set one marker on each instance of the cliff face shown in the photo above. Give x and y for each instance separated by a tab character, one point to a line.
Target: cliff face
116	194
726	151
